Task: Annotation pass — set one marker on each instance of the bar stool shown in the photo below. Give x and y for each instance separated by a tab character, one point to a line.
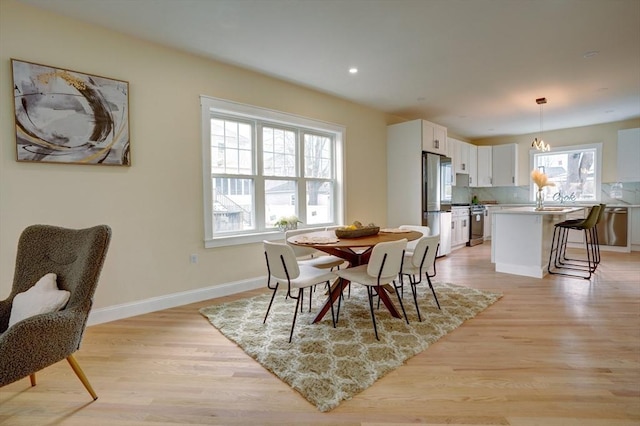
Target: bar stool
594	237
559	246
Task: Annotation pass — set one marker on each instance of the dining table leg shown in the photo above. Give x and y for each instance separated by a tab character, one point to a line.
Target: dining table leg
383	293
340	284
334	293
355	259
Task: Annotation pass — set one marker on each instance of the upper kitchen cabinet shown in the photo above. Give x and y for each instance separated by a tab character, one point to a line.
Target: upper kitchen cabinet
473	165
485	161
505	165
434	138
459	153
629	155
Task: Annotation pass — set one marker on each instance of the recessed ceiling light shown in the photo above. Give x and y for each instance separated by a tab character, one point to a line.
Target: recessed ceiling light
590	54
353	70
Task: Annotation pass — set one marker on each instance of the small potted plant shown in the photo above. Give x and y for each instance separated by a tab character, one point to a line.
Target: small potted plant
287	223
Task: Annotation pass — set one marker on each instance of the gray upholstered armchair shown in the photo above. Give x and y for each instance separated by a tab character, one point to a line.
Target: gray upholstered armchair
76	256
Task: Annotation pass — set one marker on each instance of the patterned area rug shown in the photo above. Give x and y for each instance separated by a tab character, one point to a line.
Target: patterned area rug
327	365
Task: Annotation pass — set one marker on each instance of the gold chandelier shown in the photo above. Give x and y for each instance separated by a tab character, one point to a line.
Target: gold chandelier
540	145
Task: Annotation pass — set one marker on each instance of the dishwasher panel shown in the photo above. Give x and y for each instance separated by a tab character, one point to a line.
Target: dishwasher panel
612	230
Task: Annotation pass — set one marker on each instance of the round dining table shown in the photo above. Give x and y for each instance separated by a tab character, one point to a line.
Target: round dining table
356	251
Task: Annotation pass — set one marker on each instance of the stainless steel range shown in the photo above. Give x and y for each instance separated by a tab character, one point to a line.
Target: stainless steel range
476	230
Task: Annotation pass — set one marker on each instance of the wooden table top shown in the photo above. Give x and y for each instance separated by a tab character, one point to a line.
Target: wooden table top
369	241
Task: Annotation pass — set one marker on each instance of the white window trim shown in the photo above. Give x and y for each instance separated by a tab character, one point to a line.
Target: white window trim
221	106
598	177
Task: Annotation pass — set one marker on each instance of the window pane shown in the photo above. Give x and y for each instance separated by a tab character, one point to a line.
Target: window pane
279	152
317	156
280	200
573	172
231	147
319	202
257	172
233	204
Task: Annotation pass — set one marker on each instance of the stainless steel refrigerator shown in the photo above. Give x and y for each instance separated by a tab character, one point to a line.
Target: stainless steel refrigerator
436	198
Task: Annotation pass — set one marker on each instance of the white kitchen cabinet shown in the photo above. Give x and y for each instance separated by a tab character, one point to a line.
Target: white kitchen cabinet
464	229
473	165
460	155
635	228
451	149
404	173
629	155
505	165
459	227
434	138
455	234
485	160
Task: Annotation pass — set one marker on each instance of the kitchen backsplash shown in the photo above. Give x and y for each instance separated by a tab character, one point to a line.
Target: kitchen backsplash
520	194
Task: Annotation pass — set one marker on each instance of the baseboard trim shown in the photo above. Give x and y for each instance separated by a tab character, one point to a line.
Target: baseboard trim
126	310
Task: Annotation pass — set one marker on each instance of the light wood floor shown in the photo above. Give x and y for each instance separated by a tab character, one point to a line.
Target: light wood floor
555	351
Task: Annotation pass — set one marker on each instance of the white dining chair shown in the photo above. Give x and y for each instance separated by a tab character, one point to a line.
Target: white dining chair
411	245
283	268
383	268
310	256
421	261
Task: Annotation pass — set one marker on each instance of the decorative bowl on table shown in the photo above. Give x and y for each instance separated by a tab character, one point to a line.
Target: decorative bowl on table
365	231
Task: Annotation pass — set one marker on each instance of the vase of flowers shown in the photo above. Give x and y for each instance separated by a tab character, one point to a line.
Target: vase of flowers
288	223
539	199
541	180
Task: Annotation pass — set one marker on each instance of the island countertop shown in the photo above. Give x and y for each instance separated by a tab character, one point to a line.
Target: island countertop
551	210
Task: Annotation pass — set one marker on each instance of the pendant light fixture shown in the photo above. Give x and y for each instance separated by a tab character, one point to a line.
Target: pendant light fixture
540	145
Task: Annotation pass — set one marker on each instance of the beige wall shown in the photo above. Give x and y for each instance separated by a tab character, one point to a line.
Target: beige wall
155	206
607	134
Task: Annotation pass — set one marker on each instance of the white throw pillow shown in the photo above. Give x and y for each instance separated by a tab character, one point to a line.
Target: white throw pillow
42	298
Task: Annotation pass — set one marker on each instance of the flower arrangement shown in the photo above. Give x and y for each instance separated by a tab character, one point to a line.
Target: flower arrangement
541	180
286	223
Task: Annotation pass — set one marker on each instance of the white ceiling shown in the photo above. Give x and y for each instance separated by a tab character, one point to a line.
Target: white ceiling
475	66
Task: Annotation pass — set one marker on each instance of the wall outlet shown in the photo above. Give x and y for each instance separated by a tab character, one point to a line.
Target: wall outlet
193	258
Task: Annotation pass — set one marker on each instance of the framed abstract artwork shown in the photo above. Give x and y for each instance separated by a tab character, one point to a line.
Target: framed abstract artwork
64	116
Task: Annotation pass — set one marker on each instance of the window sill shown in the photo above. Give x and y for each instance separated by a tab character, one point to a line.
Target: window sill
236	240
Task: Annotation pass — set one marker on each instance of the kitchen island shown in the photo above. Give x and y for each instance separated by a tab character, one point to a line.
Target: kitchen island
521	238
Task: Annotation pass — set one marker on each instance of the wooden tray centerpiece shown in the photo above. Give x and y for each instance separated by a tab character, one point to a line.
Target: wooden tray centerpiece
356	230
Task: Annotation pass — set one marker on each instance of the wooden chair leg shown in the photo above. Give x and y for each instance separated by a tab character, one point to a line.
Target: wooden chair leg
76	369
32	377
